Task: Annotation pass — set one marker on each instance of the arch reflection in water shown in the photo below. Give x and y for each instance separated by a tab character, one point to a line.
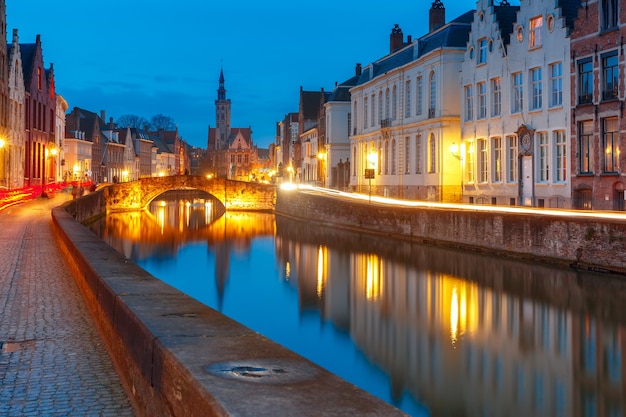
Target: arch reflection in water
433	331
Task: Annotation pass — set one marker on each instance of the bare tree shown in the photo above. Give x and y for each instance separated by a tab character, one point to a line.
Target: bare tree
131	120
161	121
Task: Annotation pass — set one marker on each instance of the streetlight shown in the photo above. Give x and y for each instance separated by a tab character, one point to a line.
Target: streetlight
322	158
370	172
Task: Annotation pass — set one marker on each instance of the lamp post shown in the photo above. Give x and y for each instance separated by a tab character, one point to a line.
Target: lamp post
321	156
370	172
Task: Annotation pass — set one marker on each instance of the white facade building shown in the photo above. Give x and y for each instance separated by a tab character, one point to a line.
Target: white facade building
17	97
515	100
406	115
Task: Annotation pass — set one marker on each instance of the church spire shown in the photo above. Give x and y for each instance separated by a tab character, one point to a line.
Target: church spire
221	92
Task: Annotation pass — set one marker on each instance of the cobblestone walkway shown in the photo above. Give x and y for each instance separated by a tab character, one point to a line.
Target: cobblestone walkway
52	360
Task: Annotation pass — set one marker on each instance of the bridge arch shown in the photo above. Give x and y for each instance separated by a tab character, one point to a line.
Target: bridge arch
234	195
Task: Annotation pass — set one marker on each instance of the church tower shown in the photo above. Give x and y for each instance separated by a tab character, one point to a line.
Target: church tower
222	115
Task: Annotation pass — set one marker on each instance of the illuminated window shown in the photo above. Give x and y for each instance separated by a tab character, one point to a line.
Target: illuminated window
432	154
560	153
483	160
469	161
610	143
534	39
496	159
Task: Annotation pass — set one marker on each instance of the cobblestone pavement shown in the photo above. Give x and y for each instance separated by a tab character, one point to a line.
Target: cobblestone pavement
52	360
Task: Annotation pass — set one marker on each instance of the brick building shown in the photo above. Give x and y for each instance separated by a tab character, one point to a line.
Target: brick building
597	66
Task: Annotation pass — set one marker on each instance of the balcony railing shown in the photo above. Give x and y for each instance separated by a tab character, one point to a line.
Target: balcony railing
585	98
431	113
385	123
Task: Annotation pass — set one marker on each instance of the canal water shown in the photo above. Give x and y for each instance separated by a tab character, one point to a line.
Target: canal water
433	331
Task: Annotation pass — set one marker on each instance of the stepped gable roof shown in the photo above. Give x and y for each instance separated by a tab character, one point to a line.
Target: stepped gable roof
506	15
27	50
569	10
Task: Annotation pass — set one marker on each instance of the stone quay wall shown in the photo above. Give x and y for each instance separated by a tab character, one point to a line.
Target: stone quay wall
585	243
178	357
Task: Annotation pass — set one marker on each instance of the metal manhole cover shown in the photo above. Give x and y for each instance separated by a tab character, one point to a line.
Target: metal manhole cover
264	371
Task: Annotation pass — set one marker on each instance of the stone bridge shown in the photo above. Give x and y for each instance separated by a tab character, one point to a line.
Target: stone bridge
234	195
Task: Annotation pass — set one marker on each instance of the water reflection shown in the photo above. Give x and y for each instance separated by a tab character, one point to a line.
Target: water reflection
434	331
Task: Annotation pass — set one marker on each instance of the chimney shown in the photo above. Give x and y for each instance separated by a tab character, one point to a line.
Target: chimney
436	15
409	39
396	38
358	70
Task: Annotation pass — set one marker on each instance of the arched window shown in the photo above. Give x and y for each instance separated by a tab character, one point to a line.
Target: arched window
432	153
387	104
433	95
354	161
386	158
394	103
407	155
393	156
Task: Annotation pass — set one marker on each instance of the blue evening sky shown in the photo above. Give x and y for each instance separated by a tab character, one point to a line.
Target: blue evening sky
149	57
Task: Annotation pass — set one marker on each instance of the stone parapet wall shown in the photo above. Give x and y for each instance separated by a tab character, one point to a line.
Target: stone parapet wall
581	242
178	357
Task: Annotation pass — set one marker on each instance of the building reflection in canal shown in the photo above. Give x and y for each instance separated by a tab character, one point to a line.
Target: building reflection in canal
456	334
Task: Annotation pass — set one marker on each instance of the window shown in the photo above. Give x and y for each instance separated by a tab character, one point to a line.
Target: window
482	51
585	134
373	122
511	155
560	156
609	12
407	99
380	106
393	157
419	98
355	117
536	88
386	157
432	154
585	81
482	160
518	93
544	166
365	113
482	100
432	102
407	155
496	97
610	75
469	103
496	151
387	109
610	144
394	103
556	84
469	161
534	35
418	154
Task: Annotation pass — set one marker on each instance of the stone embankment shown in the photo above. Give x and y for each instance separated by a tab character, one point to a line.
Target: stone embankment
178	357
587	243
